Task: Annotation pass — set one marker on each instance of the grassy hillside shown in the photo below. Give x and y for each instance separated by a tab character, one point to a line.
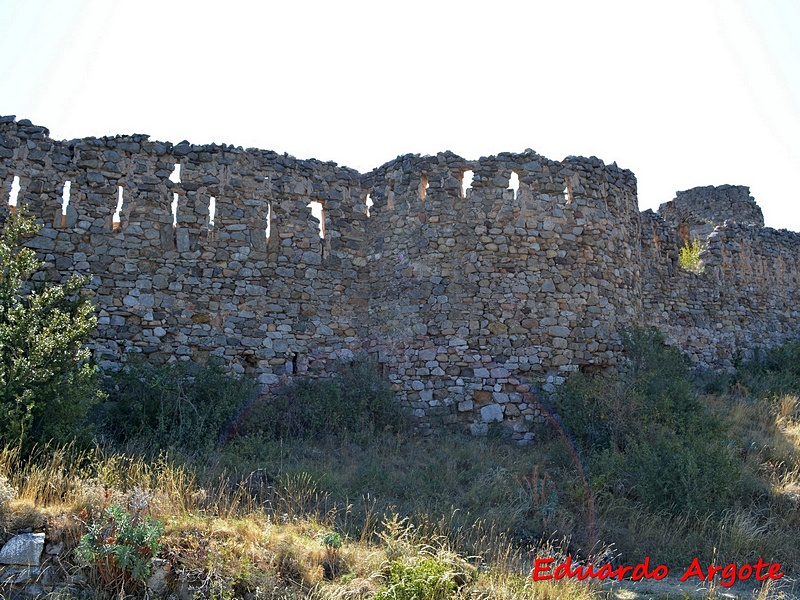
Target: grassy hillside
367	510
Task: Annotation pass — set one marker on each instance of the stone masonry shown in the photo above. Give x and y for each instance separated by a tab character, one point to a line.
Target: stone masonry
462	295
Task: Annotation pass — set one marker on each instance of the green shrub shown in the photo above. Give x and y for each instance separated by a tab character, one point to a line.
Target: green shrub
425	578
774	371
356	400
180	406
119	549
690	256
645	433
47	381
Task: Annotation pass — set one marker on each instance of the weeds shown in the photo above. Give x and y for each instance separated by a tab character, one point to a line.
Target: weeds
383	514
355	402
689	256
119	548
171	406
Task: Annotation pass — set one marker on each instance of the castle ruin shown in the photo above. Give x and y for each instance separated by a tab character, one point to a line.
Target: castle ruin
211	253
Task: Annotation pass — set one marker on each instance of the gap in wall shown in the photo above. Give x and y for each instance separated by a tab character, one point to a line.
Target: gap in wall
513	183
13	196
269	220
65	202
116	219
318	212
175	210
390	195
466	181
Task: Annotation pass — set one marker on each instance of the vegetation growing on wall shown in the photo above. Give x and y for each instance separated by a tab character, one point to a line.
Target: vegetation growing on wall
689	256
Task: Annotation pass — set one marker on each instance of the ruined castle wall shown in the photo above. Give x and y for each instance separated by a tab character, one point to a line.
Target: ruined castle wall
177	286
746	295
476	291
465	296
697	211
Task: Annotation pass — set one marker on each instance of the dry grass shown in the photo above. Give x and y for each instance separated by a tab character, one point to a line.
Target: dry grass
234	531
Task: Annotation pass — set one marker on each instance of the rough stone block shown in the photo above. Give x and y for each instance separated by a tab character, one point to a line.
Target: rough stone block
23	549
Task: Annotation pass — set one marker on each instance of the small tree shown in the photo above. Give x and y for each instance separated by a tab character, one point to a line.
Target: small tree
47	382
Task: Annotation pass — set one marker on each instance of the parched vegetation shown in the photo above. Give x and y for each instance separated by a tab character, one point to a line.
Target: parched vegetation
192	487
379	513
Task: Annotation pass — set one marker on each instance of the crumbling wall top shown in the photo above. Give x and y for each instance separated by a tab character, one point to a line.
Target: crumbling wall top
695	212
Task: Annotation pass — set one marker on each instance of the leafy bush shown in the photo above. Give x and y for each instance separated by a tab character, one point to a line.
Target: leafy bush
355	400
119	548
774	371
425	578
47	381
180	406
689	256
645	433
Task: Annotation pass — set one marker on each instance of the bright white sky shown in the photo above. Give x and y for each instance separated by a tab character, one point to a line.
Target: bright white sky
683	93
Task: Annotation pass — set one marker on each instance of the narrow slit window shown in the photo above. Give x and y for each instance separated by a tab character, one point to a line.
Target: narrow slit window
117	218
212	211
423	187
13	196
466	182
65	202
567	192
174	210
390	195
175	176
513	183
319	214
269	220
368	203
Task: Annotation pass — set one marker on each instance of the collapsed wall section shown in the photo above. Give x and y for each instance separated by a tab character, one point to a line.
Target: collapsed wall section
745	295
696	212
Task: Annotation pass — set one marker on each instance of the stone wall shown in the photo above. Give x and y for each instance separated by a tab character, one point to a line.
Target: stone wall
747	294
696	212
465	296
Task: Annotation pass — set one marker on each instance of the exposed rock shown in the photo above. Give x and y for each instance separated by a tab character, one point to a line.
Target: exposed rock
23	549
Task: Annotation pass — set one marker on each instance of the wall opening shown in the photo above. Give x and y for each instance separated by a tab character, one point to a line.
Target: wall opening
212	211
423	186
12	197
368	204
116	219
65	202
175	210
567	193
390	195
175	176
466	181
269	220
319	214
513	183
